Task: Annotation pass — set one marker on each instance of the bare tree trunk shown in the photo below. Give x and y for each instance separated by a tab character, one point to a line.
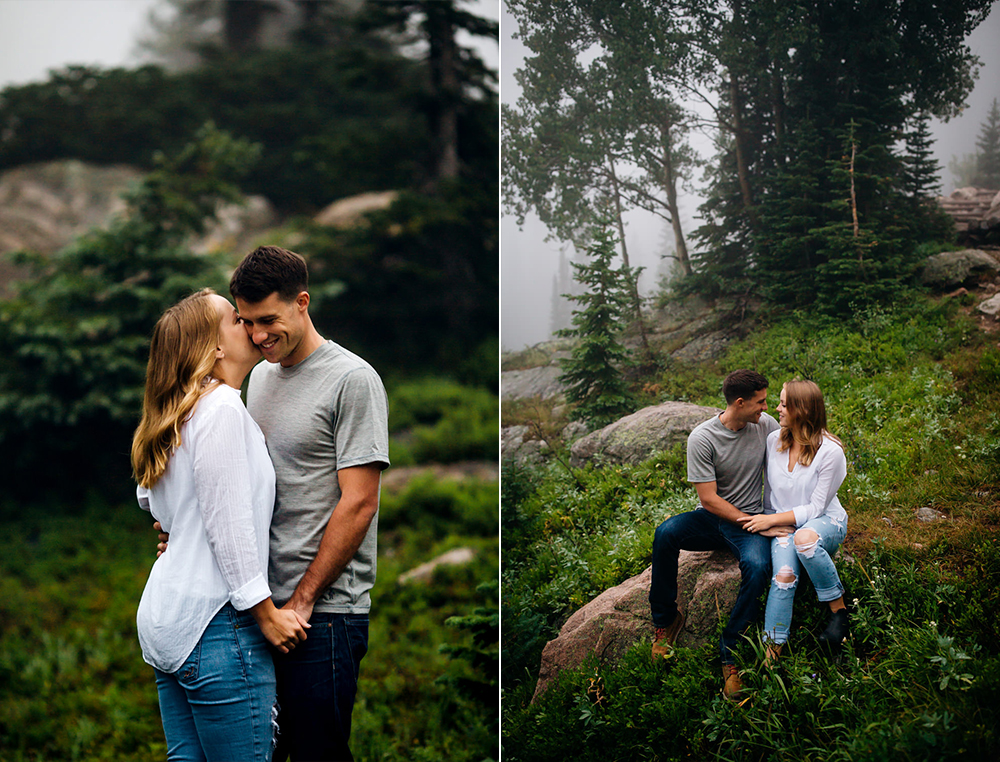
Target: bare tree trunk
670	183
742	168
637	301
444	81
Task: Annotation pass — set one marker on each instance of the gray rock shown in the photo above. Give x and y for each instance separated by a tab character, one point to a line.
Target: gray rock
574	431
637	437
533	382
517	447
928	514
620	617
991	306
952	269
706	347
424	572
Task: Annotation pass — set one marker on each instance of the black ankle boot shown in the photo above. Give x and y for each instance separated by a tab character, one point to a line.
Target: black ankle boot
836	630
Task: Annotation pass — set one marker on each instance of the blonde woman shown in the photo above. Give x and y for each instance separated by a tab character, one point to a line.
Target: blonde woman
805	467
206	616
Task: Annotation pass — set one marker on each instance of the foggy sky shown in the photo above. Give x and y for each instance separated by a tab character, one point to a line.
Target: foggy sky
38	35
528	263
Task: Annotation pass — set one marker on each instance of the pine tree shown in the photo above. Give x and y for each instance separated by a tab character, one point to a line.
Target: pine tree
593	374
988	145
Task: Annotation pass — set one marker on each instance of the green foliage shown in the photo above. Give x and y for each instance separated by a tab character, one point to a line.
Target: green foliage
76	332
912	391
420	282
73	684
988	150
593	373
436	420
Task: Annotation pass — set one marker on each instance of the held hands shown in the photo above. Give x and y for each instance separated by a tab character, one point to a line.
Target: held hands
765	524
283	628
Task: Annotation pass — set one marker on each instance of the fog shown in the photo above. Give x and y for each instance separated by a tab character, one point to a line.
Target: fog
528	262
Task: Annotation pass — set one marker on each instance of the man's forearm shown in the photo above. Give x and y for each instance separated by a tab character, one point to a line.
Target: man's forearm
343	536
722	508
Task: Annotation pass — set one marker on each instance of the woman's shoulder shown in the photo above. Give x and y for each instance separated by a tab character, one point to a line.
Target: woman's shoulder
831	447
217	400
773	437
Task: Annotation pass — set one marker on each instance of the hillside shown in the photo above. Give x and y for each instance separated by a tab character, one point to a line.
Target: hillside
913	393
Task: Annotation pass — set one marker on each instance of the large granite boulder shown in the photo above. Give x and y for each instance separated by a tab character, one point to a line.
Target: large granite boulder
638	436
952	269
617	619
533	382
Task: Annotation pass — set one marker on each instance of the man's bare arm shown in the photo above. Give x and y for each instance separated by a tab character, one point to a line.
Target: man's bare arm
711	502
342	537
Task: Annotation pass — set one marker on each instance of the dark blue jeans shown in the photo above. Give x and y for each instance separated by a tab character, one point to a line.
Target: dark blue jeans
317	682
701	530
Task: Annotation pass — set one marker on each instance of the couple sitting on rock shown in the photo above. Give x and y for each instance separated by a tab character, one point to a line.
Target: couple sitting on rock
768	494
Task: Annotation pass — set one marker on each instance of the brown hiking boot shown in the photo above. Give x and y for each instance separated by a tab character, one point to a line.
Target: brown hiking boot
664	637
733	688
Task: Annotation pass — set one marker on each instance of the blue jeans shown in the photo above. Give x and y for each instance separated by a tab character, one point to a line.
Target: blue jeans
217	706
701	530
788	556
317	682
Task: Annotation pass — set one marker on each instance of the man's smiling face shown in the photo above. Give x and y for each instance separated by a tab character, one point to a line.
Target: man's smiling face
275	325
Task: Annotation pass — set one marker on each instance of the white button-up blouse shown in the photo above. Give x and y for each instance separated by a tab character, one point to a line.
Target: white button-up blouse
215	499
808	491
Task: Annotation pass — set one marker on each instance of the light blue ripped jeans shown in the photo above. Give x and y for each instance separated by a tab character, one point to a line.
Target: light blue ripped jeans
788	556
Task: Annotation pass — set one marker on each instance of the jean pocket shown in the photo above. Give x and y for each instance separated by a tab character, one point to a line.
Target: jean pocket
188	671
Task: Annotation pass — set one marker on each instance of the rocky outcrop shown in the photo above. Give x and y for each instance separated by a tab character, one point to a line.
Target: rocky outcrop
617	619
952	269
517	445
425	572
347	212
637	437
972	209
45	206
534	382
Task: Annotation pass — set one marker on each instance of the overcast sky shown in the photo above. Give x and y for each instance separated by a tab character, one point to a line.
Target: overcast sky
528	262
38	35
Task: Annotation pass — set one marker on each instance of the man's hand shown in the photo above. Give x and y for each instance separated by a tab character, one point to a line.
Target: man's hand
300	606
163	537
283	629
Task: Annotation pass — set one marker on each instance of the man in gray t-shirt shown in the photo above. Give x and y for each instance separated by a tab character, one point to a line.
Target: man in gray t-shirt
323	411
726	464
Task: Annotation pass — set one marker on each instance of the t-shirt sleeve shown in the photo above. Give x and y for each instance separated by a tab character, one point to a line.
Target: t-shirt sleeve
361	420
700	458
222	485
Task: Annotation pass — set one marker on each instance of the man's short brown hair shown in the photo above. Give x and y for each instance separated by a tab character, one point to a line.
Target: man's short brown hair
269	269
742	383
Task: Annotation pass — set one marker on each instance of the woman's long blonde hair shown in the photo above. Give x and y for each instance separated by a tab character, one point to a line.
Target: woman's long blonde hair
181	358
806	414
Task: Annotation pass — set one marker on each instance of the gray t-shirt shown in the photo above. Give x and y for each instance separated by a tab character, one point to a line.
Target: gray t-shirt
325	413
734	460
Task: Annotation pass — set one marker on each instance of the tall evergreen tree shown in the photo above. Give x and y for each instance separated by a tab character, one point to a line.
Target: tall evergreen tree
594	372
988	150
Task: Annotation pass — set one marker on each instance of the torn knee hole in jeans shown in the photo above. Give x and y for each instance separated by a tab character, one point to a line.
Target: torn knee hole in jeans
785	579
806	549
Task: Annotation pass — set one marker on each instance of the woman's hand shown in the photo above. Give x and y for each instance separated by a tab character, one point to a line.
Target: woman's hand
757	523
283	628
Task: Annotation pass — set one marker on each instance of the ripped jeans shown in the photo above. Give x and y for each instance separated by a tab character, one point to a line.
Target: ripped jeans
788	556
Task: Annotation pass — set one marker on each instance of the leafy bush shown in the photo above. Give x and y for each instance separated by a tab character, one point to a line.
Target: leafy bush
435	420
